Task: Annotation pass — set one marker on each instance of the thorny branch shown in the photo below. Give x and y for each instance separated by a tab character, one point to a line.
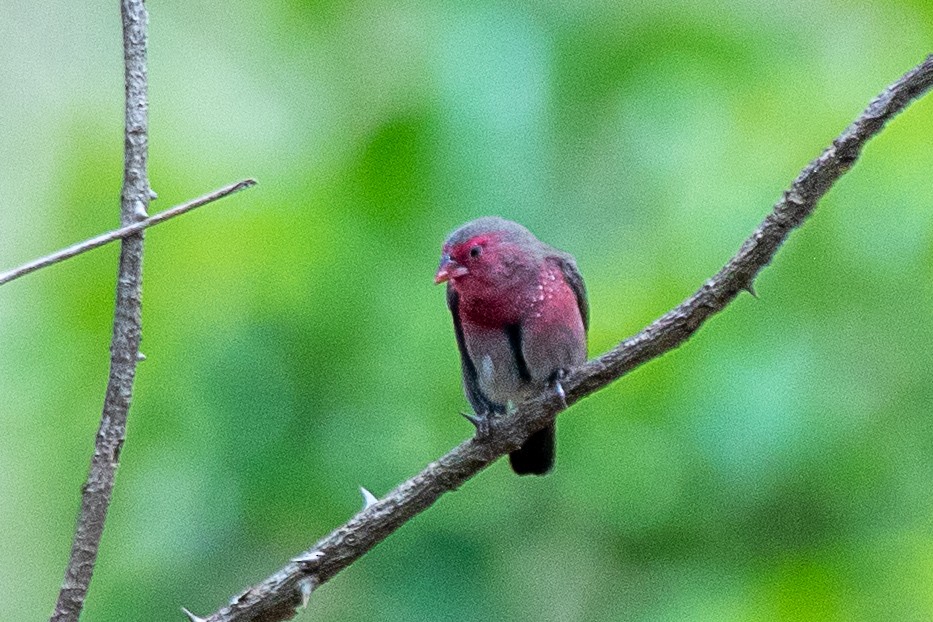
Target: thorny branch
124	347
122	232
280	596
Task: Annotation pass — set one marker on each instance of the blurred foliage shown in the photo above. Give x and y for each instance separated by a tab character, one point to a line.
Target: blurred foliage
777	467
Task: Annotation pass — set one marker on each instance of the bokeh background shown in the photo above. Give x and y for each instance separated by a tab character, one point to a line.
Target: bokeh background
779	466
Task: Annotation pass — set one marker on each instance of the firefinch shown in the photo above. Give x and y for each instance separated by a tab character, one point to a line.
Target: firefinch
520	317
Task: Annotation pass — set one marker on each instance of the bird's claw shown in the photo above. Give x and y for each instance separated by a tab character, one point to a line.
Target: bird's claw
559	388
481	422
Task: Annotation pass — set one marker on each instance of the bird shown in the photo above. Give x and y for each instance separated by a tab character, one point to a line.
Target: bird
520	315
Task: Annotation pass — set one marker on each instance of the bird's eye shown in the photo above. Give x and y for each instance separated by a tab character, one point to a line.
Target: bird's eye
476	251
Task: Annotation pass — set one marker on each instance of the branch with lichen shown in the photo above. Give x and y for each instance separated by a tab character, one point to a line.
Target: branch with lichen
281	595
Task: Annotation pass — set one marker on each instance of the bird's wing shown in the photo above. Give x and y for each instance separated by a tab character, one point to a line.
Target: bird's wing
470	382
569	267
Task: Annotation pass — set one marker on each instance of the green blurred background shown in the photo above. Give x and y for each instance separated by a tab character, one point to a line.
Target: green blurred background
777	467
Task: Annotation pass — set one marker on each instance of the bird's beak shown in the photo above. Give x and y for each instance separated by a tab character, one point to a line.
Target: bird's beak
449	269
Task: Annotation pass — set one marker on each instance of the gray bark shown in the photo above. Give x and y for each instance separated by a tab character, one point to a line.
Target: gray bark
279	596
124	346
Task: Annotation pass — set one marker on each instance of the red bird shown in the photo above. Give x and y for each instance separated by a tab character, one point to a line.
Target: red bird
520	316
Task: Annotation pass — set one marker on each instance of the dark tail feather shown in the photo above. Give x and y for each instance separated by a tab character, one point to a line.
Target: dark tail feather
536	456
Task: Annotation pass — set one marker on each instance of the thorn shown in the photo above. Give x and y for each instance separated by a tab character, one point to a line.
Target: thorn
474	419
192	617
140	356
750	288
481	422
369	498
306	586
309	558
152	195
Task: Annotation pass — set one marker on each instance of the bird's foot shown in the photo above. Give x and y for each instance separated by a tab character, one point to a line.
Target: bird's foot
482	422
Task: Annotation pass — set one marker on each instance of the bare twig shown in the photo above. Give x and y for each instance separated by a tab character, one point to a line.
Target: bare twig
279	596
122	232
124	347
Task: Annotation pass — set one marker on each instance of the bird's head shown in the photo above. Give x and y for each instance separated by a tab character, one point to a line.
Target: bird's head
472	257
486	252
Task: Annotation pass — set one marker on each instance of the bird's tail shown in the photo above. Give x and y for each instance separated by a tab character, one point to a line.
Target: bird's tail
536	456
